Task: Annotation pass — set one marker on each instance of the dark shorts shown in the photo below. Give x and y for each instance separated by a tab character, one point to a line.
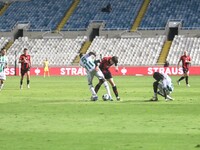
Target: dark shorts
107	74
185	70
24	71
157	76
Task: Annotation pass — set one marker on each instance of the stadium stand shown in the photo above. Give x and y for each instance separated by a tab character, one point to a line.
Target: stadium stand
1	5
181	43
60	52
42	15
121	16
159	12
3	42
131	51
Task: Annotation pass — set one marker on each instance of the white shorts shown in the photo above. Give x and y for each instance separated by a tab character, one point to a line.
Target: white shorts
2	76
98	74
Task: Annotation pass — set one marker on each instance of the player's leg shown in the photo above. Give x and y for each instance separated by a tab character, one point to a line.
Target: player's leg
186	78
2	78
114	87
48	73
44	72
90	76
100	75
97	87
155	89
28	79
1	84
22	78
182	77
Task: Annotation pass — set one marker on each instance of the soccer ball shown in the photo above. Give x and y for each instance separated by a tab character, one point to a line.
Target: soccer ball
105	97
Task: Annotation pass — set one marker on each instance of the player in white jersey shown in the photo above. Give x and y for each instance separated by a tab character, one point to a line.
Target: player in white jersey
88	62
3	65
164	84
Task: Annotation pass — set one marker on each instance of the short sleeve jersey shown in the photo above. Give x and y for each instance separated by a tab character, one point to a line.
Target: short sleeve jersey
105	63
184	60
87	62
3	62
24	65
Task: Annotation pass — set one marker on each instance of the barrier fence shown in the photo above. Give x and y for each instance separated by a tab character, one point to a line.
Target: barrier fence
123	71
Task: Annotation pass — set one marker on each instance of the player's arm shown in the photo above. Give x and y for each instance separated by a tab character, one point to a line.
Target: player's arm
92	53
30	62
178	63
189	61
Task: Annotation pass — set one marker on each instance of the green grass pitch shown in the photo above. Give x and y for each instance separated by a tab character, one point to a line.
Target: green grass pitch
57	114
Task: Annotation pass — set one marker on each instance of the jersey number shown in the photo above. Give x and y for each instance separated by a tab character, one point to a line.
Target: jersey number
88	64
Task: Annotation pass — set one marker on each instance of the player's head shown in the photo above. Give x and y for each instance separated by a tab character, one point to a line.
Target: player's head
115	60
3	51
25	51
185	53
158	76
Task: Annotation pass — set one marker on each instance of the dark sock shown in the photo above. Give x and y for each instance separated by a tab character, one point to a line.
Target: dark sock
28	81
181	78
186	79
155	86
21	82
115	91
97	87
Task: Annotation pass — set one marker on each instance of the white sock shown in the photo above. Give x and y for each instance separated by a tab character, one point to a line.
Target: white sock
93	91
1	86
107	88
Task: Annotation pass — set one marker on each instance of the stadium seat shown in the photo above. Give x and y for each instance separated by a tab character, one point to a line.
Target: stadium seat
58	51
131	51
182	43
159	12
42	15
122	15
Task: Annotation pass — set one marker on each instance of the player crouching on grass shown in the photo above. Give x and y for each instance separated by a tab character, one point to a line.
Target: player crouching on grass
164	84
3	65
105	64
88	62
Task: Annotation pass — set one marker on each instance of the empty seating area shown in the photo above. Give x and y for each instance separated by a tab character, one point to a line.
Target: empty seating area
182	43
131	51
159	12
122	15
42	14
60	52
3	41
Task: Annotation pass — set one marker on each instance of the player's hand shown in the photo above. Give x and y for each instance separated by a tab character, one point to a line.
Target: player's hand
116	69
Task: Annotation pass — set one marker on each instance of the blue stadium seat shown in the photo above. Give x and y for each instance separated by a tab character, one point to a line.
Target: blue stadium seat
42	14
159	12
122	15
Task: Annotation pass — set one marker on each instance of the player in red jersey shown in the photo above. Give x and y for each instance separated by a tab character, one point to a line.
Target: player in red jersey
186	61
25	60
105	64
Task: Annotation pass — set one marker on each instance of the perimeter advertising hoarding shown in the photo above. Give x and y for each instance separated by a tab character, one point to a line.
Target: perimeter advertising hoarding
123	71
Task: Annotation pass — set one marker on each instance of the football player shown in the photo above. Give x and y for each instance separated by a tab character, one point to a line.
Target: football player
105	64
3	65
186	61
25	60
88	62
162	86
